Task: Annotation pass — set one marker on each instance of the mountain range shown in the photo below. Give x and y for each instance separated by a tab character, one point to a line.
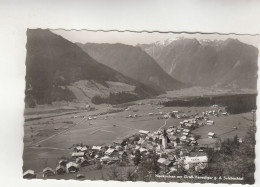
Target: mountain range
57	69
133	62
228	63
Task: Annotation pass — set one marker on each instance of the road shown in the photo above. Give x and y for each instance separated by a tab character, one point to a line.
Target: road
165	122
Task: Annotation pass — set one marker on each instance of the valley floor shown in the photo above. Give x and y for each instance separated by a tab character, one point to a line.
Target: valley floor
51	132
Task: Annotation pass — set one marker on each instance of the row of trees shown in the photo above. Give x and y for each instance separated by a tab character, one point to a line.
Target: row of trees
234	159
115	98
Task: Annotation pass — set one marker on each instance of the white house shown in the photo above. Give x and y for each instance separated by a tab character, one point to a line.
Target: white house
211	135
210	122
98	148
143	132
109	151
195	160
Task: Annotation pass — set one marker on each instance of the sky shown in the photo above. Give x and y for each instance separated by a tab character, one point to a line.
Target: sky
131	38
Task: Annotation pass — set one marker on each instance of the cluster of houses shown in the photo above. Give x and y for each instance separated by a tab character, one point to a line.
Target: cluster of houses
176	148
175	152
82	156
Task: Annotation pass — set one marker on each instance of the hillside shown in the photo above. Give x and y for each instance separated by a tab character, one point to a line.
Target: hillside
228	63
134	63
54	66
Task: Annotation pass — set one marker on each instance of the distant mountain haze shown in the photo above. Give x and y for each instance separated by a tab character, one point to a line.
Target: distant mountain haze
228	63
56	67
134	63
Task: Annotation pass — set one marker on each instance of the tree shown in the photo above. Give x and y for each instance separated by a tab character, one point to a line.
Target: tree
98	165
114	174
137	157
131	175
234	159
124	142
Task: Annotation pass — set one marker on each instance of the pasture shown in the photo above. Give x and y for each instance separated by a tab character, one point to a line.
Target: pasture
50	138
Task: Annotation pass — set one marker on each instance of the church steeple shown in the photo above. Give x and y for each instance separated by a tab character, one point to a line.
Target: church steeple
165	139
164	133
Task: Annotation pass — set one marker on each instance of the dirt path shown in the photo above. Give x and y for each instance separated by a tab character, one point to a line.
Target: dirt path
165	122
50	137
47	148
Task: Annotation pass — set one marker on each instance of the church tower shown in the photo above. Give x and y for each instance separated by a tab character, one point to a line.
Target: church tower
165	139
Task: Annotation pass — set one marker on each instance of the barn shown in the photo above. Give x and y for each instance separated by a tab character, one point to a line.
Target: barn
72	167
29	174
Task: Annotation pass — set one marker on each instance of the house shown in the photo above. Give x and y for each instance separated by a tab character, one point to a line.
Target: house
210	122
80	176
72	167
84	162
84	149
105	159
118	148
193	142
29	174
122	154
185	134
189	125
171	158
108	160
190	162
183	138
172	170
78	148
78	159
109	152
164	163
96	148
211	135
63	162
48	172
186	130
78	154
117	142
143	132
167	163
142	150
60	170
224	113
166	116
161	160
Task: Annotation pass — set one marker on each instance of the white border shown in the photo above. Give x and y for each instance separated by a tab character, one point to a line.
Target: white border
16	16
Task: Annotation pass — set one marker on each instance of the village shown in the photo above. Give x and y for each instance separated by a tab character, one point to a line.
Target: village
174	149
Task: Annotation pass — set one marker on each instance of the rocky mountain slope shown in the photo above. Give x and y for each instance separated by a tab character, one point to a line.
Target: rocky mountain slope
228	63
134	63
56	67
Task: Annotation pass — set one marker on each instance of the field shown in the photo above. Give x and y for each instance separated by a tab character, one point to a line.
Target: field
53	134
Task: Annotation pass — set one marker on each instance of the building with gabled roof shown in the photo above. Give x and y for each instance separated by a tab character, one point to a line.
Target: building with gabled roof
60	169
29	174
48	172
72	167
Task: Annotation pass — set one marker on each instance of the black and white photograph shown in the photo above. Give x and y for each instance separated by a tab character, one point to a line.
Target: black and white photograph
121	93
140	106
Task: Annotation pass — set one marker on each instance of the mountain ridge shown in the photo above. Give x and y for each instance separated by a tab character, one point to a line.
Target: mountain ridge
133	62
54	63
228	63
